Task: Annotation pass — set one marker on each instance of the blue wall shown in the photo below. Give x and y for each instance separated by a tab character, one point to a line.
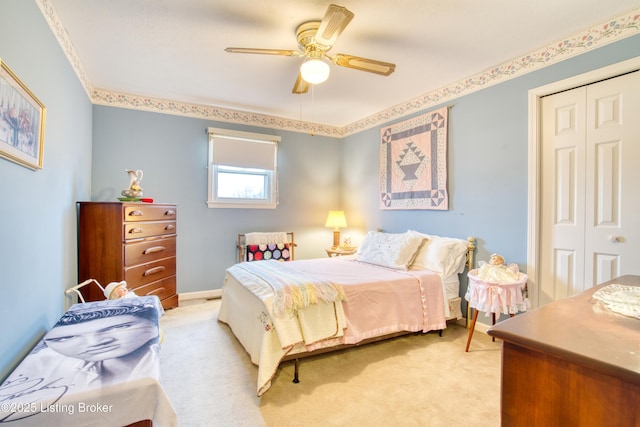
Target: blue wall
172	152
487	164
88	148
487	161
37	213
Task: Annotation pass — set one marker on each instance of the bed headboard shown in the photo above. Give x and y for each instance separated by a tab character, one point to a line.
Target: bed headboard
471	247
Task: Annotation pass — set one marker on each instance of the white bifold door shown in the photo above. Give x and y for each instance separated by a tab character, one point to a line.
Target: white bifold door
590	186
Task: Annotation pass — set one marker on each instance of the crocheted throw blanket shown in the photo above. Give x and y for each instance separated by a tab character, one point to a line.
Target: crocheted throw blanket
292	289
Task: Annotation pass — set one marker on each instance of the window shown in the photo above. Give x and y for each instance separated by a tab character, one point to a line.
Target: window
242	169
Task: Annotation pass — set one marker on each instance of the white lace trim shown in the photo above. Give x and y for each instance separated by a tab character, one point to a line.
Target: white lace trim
621	299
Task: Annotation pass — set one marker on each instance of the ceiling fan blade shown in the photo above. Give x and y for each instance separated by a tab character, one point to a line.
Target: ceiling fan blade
282	52
364	64
335	20
301	86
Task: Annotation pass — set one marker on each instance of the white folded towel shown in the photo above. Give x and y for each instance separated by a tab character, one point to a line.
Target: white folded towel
263	238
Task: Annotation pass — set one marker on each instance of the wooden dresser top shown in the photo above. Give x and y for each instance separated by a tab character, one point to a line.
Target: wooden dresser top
580	330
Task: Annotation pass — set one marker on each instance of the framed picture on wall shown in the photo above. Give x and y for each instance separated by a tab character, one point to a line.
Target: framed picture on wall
22	119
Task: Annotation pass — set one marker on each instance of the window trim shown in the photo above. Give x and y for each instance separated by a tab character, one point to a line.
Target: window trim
266	180
212	200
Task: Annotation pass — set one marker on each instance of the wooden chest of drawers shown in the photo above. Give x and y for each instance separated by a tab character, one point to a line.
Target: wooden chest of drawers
572	362
135	242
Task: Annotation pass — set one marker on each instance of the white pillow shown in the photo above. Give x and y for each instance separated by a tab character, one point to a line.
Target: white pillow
391	250
443	255
366	241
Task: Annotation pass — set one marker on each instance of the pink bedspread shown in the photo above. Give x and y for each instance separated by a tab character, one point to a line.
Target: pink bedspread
381	301
378	301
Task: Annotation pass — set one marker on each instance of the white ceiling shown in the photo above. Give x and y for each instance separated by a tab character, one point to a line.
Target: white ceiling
173	50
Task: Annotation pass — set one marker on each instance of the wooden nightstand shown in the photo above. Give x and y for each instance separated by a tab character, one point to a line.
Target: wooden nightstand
341	250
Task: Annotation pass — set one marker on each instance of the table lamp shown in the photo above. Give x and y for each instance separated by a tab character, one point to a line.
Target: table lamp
336	220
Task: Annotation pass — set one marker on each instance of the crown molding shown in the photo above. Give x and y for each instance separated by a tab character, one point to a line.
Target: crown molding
607	32
61	35
602	34
123	100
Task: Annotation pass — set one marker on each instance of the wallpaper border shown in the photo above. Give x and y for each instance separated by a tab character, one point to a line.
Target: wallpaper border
608	31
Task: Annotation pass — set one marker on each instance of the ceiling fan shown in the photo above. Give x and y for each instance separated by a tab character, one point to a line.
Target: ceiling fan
315	39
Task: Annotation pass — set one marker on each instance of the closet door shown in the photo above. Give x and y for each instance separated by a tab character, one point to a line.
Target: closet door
589	203
562	195
612	237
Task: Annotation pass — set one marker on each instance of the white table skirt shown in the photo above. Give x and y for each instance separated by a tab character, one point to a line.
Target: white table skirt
490	297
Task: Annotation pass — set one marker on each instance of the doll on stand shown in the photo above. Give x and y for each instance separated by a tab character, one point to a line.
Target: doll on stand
117	290
495	271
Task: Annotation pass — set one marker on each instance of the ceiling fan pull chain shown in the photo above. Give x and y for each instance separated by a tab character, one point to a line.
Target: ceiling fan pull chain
300	112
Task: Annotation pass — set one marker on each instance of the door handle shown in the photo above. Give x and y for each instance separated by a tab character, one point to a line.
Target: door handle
615	239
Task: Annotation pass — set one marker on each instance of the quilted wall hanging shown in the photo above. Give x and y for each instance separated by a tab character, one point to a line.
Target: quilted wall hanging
413	163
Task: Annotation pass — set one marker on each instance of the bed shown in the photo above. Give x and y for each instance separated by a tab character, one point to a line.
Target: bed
396	283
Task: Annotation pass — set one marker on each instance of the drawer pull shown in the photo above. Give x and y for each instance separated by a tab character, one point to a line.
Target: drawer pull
135	230
136	213
153	270
170	212
155	291
153	250
170	227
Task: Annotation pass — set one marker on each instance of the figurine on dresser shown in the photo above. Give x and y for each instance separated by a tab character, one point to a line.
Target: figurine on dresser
134	190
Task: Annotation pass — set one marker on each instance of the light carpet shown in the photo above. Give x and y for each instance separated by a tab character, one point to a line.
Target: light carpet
415	380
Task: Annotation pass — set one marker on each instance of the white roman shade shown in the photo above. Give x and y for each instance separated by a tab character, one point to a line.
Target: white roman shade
243	149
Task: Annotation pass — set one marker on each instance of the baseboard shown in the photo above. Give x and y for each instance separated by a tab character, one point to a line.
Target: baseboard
212	294
461	321
480	327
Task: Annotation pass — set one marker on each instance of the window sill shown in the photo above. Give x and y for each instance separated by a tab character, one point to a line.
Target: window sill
241	205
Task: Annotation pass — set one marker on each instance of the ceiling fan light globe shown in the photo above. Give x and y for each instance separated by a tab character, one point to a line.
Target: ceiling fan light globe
314	71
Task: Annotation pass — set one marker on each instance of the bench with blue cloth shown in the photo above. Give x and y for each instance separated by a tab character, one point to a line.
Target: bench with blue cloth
98	365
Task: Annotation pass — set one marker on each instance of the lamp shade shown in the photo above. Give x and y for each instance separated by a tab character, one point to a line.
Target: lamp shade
314	71
336	220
